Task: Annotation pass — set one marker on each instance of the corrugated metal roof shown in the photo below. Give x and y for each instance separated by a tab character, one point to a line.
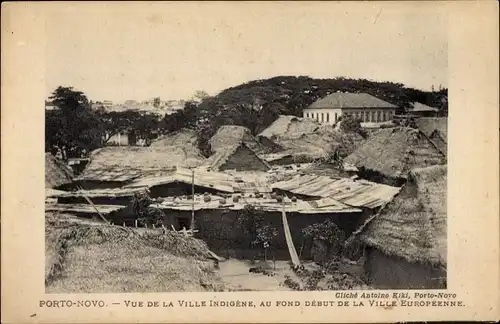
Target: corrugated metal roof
113	192
267	203
83	208
358	193
202	178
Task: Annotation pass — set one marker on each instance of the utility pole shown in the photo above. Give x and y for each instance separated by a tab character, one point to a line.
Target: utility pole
192	205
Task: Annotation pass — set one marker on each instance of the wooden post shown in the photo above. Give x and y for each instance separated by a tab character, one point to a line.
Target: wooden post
123	224
135	222
192	193
153	225
146	225
95	208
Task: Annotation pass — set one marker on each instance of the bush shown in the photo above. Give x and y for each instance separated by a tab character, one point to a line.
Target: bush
352	125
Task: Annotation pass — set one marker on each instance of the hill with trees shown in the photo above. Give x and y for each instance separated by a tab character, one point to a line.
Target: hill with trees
255	104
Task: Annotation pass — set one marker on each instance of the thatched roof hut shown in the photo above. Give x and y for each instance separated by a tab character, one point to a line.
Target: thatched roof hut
428	125
231	135
405	243
308	139
287	126
125	163
436	129
182	138
393	152
413	225
238	157
56	172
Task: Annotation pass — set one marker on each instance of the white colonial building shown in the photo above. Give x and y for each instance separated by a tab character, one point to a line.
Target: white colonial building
362	106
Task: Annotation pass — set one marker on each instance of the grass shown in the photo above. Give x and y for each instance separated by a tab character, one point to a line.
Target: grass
83	258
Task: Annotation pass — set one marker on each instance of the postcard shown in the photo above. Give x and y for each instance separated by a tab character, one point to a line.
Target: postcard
250	162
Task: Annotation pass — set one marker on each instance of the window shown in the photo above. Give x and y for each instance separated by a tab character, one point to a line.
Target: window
373	116
327	117
384	116
307	115
378	116
322	117
335	117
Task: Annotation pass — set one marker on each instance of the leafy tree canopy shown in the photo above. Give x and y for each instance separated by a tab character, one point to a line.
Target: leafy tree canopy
74	129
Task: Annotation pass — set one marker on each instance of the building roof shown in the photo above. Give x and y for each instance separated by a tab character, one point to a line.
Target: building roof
350	100
428	125
420	107
358	193
289	126
305	138
413	226
266	203
393	152
56	172
92	193
183	138
128	162
223	154
202	178
230	135
83	208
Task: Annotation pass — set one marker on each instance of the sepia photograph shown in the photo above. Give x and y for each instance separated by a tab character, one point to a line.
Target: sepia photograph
172	164
250	162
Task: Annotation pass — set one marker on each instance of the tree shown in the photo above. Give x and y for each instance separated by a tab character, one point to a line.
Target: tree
200	95
327	235
265	236
146	215
142	125
73	129
156	102
350	124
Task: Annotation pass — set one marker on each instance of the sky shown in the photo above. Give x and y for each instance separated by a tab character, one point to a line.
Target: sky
137	51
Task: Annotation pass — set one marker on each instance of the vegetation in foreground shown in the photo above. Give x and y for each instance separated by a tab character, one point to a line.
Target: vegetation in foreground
85	258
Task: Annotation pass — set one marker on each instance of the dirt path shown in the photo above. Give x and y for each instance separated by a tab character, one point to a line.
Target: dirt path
235	275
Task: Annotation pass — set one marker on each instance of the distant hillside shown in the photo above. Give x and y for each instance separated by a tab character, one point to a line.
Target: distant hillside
256	104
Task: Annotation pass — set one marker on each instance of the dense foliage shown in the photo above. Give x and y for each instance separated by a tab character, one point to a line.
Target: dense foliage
73	129
327	232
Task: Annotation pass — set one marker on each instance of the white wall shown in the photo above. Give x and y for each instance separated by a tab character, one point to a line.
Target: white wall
328	115
369	115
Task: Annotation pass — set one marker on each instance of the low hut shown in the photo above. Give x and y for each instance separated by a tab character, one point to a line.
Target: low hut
389	154
306	140
183	138
406	242
231	135
239	157
57	173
